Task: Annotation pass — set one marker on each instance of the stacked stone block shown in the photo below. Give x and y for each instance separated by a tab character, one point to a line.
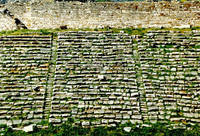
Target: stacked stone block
100	78
170	76
95	79
24	64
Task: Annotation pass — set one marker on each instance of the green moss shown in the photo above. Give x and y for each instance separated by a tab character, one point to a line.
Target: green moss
43	123
169	46
68	129
135	41
130	31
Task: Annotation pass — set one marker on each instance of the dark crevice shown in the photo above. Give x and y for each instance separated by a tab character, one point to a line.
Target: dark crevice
18	22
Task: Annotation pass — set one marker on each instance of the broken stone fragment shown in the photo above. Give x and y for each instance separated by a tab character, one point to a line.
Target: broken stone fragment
127	129
29	128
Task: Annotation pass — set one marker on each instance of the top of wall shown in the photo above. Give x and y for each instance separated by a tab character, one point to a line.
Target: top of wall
37	15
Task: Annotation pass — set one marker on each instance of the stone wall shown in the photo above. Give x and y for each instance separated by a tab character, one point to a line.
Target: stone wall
100	78
100	15
24	69
169	70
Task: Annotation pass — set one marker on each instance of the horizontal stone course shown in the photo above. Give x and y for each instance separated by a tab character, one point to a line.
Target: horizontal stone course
100	81
24	68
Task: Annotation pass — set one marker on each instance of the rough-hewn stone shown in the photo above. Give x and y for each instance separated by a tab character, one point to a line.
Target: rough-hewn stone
40	15
100	78
24	66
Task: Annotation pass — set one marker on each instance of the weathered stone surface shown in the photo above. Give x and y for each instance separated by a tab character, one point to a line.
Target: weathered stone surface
96	77
29	128
127	129
24	70
90	15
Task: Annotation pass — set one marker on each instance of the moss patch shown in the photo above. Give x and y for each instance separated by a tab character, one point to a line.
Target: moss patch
67	129
130	31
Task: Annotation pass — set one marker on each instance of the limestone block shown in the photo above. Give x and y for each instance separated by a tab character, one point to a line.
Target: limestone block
29	128
127	129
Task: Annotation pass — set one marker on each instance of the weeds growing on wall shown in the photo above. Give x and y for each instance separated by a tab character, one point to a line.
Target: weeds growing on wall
67	129
130	31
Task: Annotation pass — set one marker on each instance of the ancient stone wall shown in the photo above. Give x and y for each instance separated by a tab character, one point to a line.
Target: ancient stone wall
100	15
169	70
100	78
24	68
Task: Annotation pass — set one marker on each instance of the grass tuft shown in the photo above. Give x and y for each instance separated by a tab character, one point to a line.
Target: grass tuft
68	129
130	31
